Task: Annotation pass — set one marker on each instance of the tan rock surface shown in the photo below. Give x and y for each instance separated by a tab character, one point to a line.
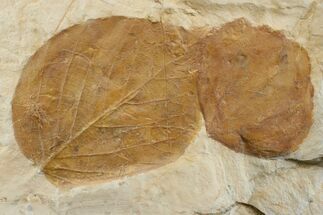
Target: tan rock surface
208	178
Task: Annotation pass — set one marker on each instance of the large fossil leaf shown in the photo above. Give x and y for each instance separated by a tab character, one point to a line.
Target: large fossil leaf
255	89
107	98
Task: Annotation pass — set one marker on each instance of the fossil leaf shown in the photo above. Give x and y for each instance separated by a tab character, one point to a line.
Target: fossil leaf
254	89
107	98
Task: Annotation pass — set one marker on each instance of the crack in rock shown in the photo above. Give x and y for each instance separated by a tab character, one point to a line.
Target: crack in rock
256	210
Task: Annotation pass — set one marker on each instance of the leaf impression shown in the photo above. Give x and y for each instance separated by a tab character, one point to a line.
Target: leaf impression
107	98
254	89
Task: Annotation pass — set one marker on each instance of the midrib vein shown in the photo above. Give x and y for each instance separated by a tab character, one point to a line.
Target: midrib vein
105	113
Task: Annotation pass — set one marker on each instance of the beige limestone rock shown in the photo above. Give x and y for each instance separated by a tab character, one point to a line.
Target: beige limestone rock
208	178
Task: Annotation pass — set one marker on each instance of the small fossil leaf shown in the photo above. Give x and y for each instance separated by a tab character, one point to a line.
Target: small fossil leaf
107	98
254	89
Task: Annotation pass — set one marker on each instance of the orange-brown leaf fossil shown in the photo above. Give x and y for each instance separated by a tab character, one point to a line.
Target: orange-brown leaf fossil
254	89
107	98
116	96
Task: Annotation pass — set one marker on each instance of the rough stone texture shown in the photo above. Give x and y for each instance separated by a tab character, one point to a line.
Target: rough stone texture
208	178
254	89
